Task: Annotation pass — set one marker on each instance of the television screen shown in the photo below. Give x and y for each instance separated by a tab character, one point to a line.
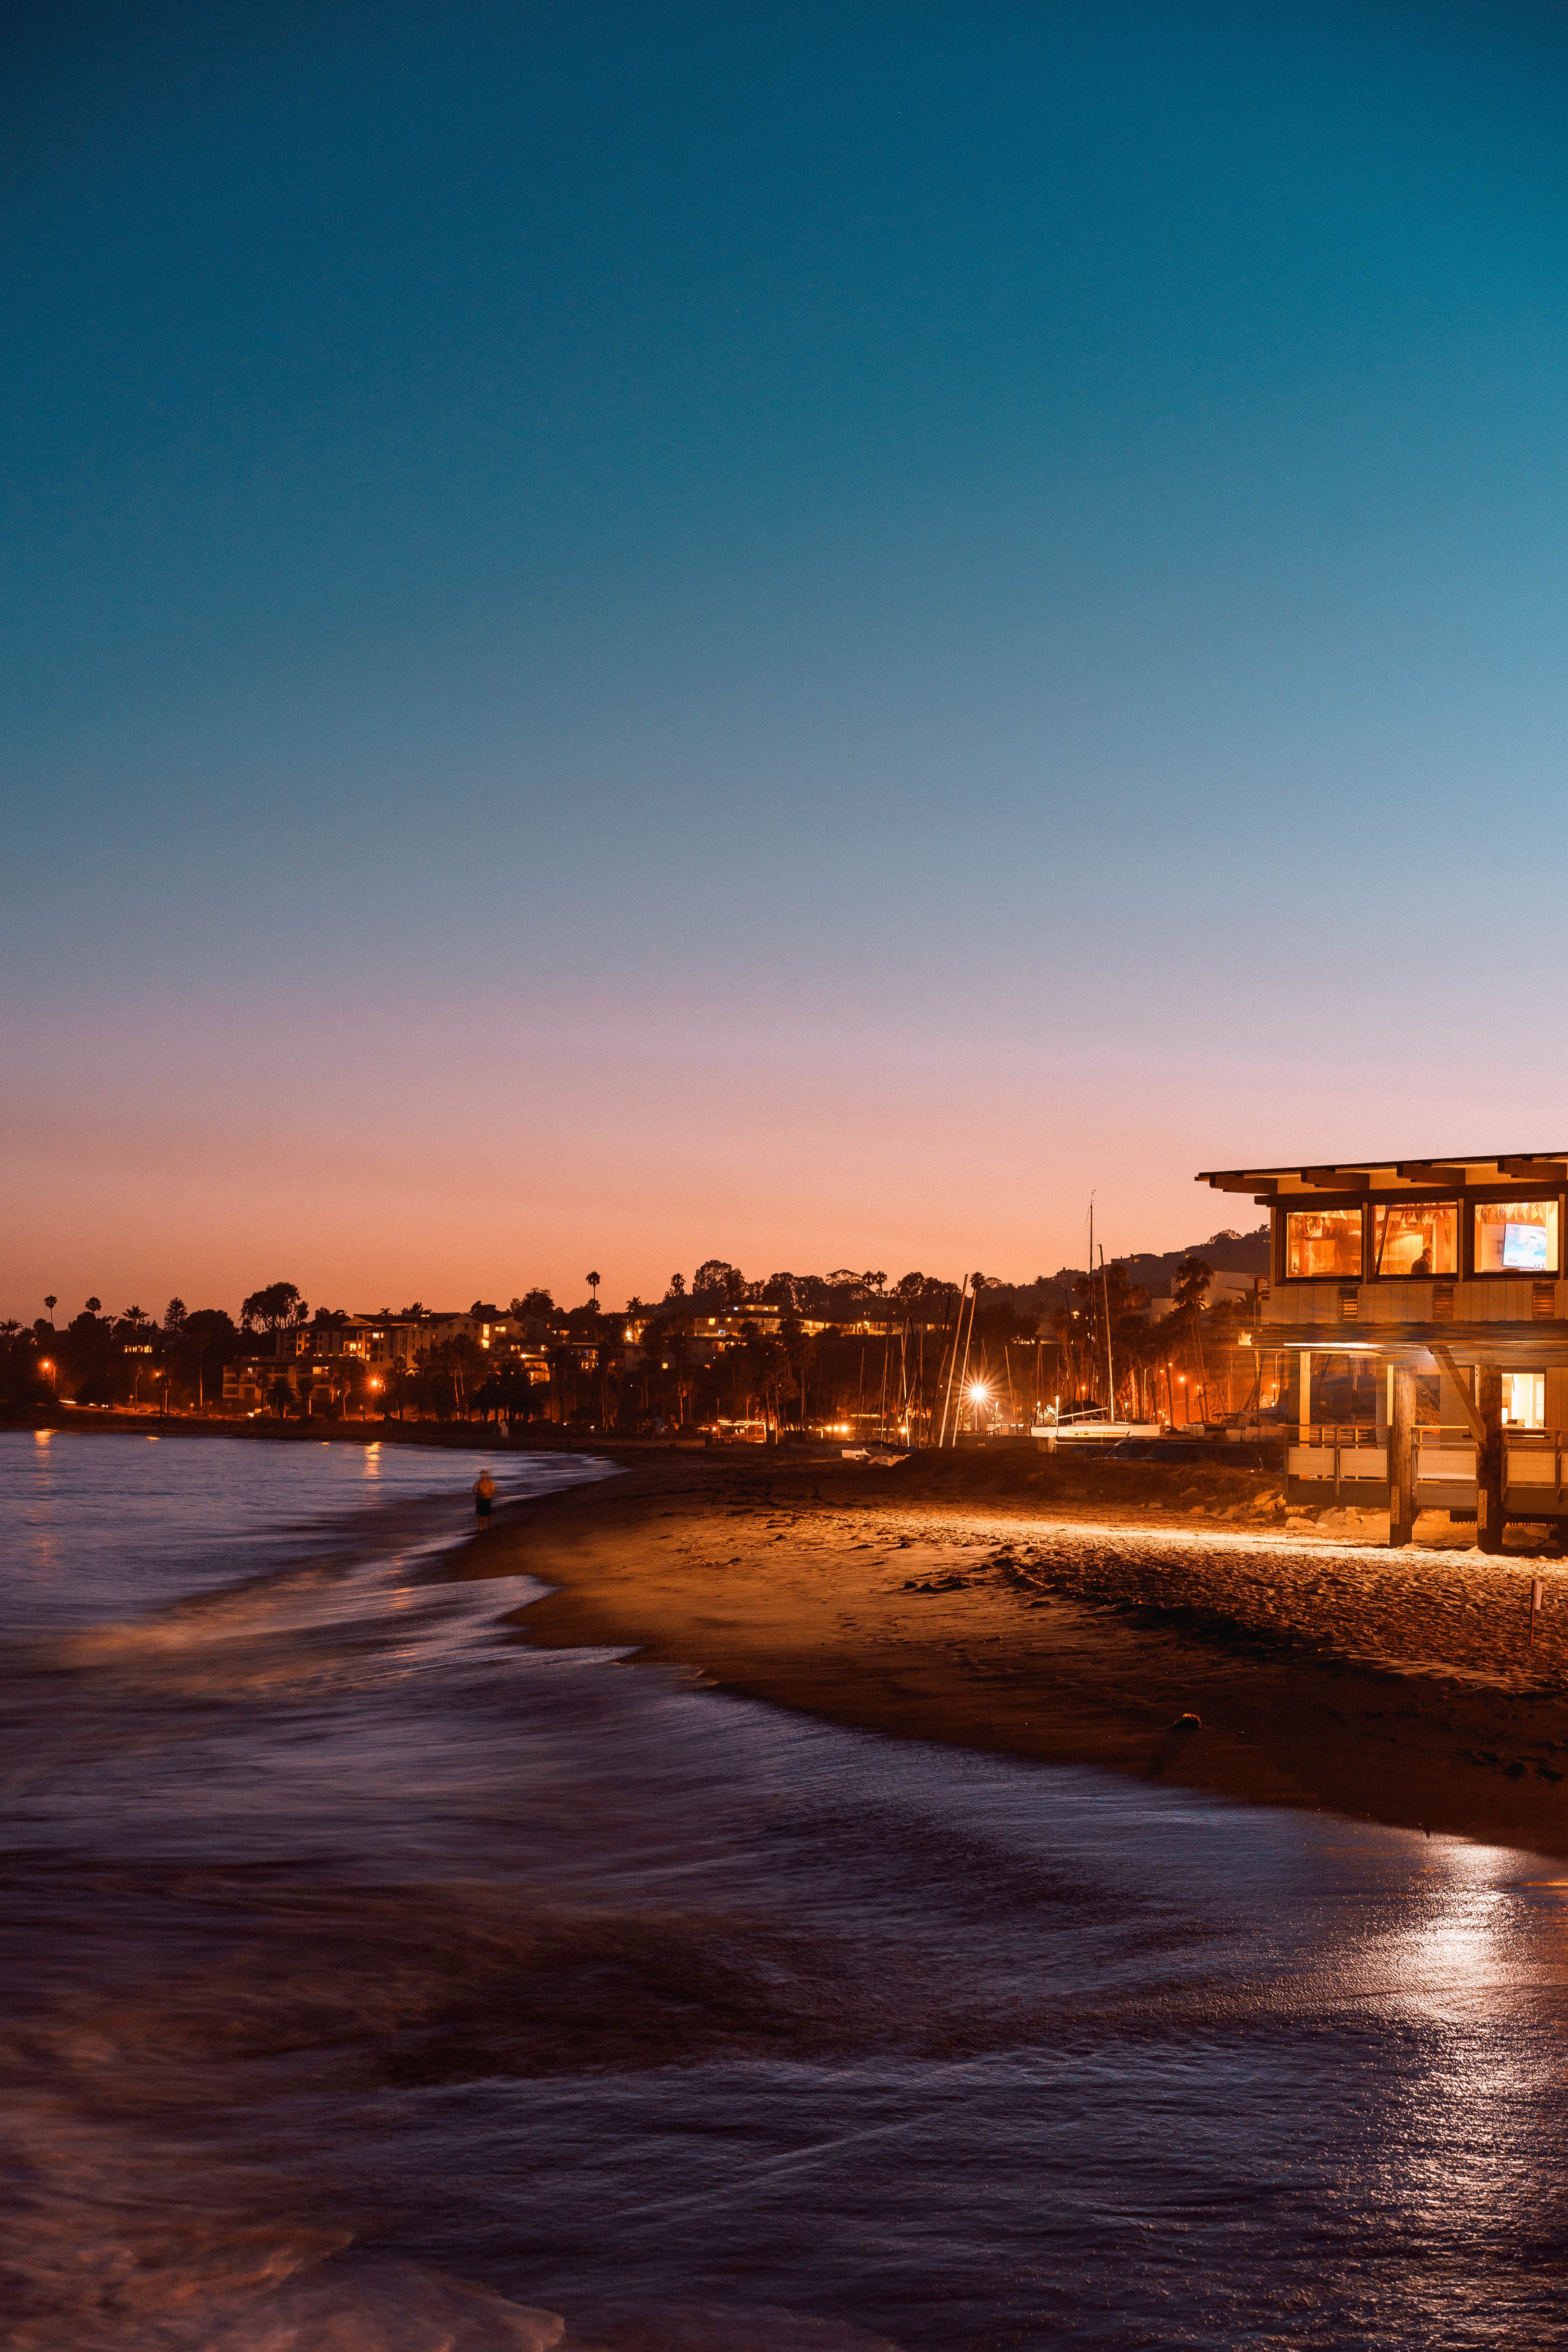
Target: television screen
1524	1249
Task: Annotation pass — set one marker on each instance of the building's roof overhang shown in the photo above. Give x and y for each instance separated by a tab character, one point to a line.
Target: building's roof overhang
1451	1173
1521	1346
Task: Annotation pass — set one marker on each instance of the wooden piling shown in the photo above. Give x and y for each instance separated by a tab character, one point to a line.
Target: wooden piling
1489	1458
1401	1458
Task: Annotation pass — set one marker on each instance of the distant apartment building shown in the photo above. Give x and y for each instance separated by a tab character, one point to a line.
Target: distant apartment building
870	1318
320	1383
318	1360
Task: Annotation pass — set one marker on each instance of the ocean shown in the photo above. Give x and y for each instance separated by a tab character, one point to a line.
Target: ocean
378	1983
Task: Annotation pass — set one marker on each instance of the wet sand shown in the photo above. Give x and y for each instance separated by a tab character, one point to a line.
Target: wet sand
1083	1614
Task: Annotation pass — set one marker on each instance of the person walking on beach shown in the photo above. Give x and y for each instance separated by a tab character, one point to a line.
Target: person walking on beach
484	1496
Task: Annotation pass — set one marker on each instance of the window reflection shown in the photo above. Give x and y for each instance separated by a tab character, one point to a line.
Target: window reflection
1322	1244
1421	1237
1516	1237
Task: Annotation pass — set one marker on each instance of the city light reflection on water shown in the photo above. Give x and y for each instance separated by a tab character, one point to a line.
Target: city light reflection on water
384	1983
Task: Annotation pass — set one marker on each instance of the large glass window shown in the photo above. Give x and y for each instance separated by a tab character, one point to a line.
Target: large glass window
1524	1399
1322	1244
1420	1237
1516	1237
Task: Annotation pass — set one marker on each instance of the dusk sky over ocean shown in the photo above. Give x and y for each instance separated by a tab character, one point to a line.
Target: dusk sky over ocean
798	633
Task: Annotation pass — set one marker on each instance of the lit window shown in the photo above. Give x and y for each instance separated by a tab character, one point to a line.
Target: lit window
1423	1238
1322	1244
1524	1399
1516	1237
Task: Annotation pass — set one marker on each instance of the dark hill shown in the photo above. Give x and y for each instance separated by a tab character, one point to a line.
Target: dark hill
1227	1251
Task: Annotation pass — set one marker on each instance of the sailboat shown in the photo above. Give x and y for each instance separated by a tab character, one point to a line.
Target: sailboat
1091	1426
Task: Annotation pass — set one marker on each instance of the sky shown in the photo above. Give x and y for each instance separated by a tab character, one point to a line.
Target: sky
804	635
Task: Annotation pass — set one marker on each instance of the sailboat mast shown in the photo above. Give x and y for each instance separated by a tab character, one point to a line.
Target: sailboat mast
952	1364
1092	1350
973	1302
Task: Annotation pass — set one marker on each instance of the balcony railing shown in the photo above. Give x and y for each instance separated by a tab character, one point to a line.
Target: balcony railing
1335	1458
1337	1454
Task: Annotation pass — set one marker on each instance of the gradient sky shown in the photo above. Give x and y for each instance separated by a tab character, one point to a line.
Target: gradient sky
801	635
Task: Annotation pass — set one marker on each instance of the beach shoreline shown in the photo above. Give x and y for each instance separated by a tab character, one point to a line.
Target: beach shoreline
1181	1627
466	1436
378	1933
1159	1639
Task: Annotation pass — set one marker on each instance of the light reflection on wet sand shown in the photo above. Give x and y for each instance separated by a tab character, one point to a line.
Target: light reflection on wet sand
382	1982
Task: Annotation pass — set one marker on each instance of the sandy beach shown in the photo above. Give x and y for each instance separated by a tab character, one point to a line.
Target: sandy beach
1063	1609
1181	1628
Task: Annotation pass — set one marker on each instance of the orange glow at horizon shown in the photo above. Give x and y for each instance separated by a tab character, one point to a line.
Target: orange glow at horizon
447	1154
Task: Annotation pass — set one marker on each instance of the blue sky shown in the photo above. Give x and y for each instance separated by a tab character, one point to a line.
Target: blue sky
657	632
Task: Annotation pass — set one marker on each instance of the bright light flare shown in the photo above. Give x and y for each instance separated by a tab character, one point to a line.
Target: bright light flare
978	1391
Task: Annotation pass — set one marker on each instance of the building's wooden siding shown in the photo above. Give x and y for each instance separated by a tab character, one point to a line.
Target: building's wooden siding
1488	1300
1383	1302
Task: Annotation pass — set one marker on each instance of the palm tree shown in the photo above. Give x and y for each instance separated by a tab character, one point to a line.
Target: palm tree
95	1306
1193	1276
51	1303
593	1282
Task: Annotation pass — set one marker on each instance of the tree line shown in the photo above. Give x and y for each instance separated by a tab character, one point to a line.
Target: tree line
1101	1347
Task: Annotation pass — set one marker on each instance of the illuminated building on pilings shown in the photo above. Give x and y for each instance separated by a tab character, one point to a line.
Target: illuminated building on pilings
1418	1319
